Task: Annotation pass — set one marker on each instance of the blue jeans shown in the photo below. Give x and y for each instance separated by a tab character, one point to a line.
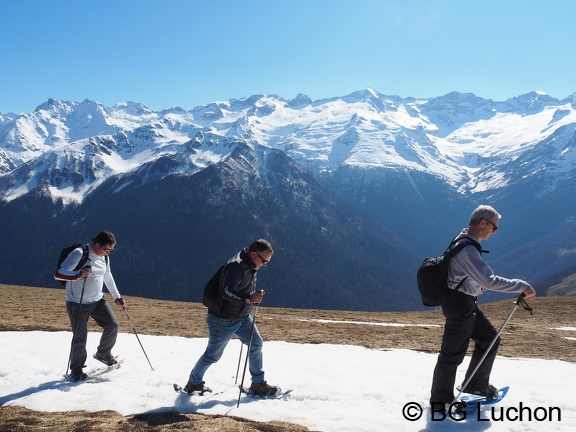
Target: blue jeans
220	332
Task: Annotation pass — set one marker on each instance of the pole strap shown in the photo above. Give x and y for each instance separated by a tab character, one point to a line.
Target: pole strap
522	302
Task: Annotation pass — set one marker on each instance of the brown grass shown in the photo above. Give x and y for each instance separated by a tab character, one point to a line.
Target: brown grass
26	308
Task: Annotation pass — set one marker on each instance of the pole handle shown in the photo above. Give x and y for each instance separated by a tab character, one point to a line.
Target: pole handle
521	301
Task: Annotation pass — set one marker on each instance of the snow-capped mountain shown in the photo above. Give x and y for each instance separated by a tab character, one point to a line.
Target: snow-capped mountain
465	140
415	166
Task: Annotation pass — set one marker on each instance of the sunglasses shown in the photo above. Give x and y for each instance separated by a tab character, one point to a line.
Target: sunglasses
264	262
494	227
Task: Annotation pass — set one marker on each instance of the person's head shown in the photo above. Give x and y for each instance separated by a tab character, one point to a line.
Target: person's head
260	253
483	222
103	243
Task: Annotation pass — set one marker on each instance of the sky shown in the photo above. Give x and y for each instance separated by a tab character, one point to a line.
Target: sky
183	53
335	388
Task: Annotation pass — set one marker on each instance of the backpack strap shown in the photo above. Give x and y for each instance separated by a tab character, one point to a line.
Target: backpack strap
84	259
460	243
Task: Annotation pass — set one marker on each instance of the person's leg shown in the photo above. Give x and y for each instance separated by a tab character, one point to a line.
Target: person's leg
78	315
484	333
255	355
105	318
220	332
460	320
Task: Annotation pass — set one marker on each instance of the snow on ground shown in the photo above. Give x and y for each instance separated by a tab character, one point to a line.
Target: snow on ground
337	388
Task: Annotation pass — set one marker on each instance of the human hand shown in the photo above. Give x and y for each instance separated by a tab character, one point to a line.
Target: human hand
256	298
85	272
120	302
529	293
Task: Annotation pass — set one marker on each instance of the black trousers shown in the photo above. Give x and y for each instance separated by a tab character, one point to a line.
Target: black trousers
464	321
102	313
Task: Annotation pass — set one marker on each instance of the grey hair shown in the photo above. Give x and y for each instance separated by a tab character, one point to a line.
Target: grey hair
483	212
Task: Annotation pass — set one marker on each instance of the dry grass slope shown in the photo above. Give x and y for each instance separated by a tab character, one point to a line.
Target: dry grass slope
565	288
26	308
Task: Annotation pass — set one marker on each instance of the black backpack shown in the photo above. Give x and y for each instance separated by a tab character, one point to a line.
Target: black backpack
66	251
432	275
211	289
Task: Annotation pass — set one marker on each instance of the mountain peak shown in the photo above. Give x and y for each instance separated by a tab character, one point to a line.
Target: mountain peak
55	106
301	100
133	108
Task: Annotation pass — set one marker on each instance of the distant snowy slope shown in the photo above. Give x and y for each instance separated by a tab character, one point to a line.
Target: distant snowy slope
470	142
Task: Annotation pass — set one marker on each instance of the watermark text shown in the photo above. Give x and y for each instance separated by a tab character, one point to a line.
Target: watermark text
458	411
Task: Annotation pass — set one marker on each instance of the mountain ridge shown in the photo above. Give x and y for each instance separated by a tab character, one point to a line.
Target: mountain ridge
411	169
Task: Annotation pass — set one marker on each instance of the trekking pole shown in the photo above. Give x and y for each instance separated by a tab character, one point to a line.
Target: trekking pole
239	359
134	329
519	300
74	328
247	353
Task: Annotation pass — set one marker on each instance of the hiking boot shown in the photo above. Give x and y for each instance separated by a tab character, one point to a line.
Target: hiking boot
78	376
108	360
263	389
197	388
489	392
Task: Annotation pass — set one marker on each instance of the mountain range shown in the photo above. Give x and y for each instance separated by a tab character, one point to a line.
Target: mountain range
352	191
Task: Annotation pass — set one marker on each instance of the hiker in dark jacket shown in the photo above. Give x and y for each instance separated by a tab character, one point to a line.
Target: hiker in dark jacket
230	315
465	320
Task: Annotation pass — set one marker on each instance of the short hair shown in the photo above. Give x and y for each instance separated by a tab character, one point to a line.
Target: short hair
261	245
483	212
104	238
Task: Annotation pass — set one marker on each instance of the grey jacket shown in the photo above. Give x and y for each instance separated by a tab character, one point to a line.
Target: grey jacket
468	262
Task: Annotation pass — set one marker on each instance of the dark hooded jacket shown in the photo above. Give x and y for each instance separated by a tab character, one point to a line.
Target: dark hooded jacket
237	283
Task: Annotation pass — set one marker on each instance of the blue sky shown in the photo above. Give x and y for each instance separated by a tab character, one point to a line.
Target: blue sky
186	53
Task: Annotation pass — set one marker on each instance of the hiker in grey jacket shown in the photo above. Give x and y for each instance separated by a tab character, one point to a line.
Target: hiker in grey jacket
465	320
85	298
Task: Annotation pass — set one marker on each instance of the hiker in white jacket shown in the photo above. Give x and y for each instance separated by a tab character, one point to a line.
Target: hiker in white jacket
85	298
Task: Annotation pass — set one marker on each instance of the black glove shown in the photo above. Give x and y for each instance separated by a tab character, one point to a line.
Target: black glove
120	301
